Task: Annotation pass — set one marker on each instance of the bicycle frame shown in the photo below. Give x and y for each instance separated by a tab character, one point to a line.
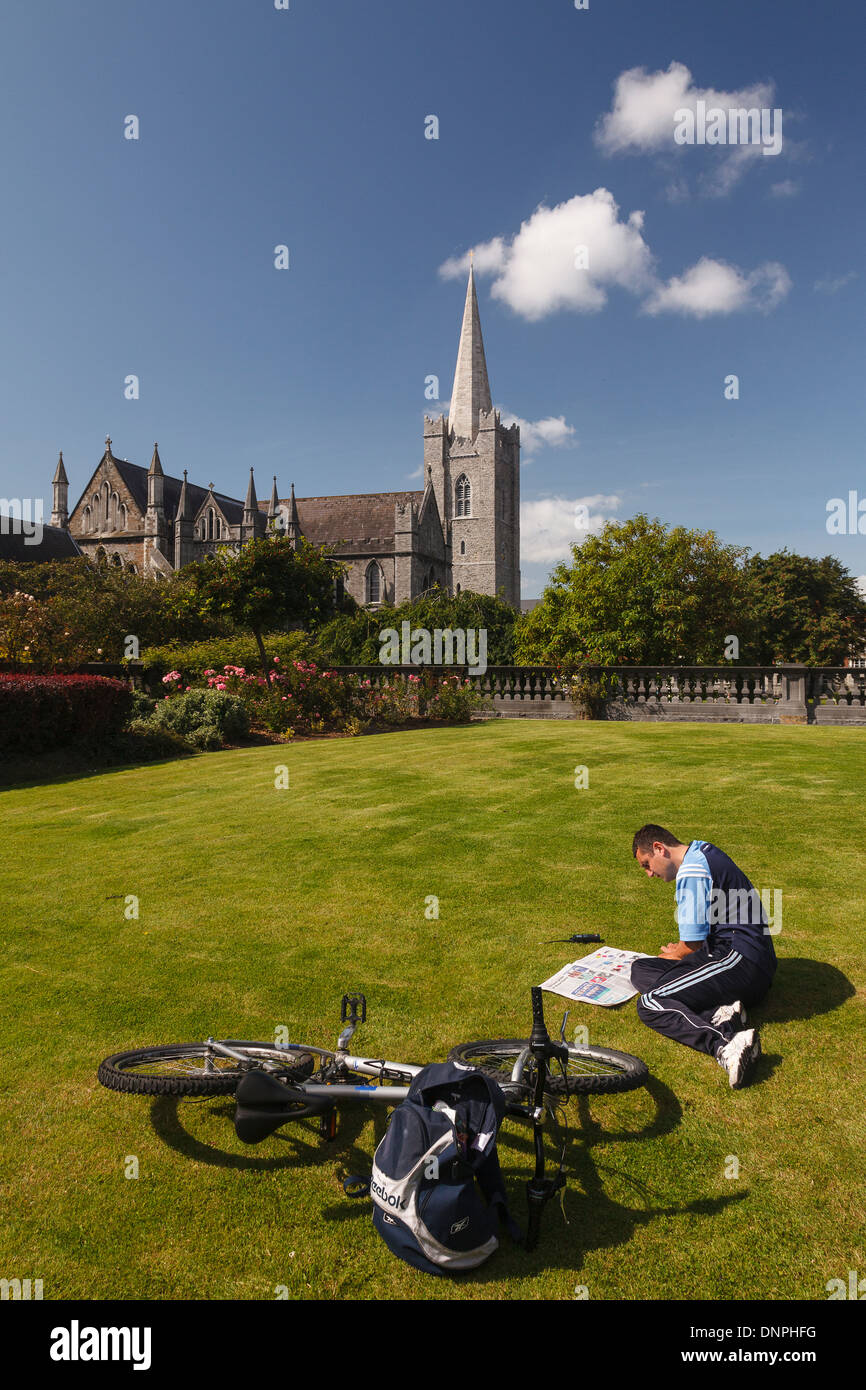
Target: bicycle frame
342	1061
365	1066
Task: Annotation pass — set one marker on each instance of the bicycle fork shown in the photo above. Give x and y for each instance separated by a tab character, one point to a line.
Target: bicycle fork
539	1189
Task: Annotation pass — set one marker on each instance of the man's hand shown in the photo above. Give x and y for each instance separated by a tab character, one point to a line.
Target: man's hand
675	950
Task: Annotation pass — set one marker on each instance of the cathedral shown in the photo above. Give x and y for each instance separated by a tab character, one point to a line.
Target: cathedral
461	531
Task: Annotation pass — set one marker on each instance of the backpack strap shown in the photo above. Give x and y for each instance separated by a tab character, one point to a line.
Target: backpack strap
491	1182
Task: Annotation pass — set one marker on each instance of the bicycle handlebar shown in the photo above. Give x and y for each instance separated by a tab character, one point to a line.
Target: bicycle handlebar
540	1036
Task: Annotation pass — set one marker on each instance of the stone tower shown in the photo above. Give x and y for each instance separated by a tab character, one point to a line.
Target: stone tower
474	464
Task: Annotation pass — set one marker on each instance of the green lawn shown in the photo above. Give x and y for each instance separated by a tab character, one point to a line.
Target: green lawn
259	907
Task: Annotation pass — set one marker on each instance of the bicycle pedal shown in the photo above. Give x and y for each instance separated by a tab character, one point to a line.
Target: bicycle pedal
349	1006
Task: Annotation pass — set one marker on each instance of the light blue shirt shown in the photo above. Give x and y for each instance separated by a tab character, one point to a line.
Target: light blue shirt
694	894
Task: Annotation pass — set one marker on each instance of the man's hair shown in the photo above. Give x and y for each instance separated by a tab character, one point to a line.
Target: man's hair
648	835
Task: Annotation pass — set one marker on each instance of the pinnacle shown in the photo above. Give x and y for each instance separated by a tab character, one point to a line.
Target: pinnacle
471	394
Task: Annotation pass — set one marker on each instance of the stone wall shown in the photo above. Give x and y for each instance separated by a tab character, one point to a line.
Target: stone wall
790	694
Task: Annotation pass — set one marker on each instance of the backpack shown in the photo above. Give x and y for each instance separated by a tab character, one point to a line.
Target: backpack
439	1150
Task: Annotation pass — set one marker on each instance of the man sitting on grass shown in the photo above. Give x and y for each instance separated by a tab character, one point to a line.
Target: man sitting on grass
696	989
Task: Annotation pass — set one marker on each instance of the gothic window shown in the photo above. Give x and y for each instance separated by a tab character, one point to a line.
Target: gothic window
95	505
210	523
116	561
88	518
219	529
374	583
462	496
124	517
462	547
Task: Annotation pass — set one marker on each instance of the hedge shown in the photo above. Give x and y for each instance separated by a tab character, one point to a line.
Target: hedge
39	713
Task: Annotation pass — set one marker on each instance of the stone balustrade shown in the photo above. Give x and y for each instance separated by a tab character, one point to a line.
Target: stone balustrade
784	694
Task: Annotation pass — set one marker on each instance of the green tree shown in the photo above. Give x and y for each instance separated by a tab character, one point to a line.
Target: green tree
804	609
268	584
87	608
354	640
639	593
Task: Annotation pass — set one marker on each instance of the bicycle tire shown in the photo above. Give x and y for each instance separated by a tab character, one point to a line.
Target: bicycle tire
591	1070
172	1069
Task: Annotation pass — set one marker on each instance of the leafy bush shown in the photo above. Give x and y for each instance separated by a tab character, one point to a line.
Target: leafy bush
142	706
297	697
143	742
207	719
38	713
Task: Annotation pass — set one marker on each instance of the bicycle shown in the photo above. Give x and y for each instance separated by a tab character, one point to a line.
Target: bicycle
275	1084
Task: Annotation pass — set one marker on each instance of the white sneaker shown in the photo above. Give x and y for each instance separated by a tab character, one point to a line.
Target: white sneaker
728	1013
739	1056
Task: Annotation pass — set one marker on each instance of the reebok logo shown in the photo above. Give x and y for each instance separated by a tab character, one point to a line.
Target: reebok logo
76	1343
389	1198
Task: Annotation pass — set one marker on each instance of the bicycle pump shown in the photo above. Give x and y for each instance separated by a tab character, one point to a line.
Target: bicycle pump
539	1189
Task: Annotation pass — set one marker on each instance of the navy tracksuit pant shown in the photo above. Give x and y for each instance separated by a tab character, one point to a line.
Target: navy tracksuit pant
679	997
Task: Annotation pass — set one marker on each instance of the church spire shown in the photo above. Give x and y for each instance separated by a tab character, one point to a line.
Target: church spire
155	485
251	505
293	526
60	510
471	393
274	505
183	501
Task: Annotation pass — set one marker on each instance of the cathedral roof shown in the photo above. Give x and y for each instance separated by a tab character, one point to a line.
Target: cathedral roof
135	478
55	544
358	522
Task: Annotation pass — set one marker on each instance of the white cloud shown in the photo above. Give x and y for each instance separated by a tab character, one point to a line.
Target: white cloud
565	257
645	103
718	182
714	287
536	272
549	433
547	525
832	284
786	188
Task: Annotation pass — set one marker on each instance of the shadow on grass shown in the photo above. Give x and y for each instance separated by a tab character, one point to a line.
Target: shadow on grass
594	1220
303	1144
803	988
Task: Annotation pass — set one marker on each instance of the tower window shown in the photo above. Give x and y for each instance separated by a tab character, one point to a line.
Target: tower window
462	547
462	496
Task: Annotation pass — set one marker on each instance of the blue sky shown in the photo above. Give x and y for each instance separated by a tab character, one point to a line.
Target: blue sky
306	127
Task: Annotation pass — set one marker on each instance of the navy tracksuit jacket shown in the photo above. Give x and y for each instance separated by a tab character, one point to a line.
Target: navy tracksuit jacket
716	905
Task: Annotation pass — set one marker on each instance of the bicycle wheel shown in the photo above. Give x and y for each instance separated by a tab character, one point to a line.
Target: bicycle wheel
590	1070
191	1069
